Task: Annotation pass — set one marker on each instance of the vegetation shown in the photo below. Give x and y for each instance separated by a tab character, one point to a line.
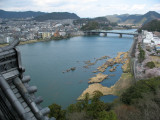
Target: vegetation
90	26
83	110
150	64
9	14
57	112
100	22
139	102
56	16
153	25
134	19
141	55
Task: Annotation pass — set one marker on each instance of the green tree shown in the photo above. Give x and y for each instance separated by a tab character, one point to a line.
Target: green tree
103	115
96	105
85	101
153	25
135	92
150	64
91	25
141	55
72	108
96	97
55	111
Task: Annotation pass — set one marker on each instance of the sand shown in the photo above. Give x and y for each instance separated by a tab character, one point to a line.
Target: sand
98	78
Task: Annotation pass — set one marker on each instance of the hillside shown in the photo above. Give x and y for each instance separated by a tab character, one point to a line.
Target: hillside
134	19
56	16
94	23
153	25
12	14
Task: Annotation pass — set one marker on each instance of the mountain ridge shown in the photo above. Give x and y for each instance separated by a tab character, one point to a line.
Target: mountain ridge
135	18
14	14
39	16
56	16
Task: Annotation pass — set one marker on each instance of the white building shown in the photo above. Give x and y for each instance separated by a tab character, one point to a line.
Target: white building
150	39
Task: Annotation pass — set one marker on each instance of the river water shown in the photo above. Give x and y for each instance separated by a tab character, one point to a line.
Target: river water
45	61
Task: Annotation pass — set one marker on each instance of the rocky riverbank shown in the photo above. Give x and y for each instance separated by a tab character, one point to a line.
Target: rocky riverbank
99	78
123	83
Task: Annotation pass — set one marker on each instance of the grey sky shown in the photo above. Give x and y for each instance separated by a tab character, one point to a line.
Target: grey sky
83	8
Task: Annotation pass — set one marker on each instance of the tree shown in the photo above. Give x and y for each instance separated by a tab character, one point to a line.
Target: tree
141	55
55	111
96	97
103	115
85	101
153	25
150	64
91	25
96	105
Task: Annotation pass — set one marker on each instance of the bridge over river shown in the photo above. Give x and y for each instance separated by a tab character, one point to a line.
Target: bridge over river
94	32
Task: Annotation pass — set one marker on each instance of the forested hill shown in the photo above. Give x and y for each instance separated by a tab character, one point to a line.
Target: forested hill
153	25
94	23
56	16
39	16
12	14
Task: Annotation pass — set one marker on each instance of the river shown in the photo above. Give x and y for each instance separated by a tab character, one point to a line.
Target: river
45	61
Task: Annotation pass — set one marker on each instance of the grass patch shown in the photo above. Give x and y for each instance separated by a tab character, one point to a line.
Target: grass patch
156	60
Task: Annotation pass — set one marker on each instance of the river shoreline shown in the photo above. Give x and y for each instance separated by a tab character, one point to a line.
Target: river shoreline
42	40
45	62
125	81
45	40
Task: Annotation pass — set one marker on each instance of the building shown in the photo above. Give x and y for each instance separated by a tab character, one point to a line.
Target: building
17	99
46	35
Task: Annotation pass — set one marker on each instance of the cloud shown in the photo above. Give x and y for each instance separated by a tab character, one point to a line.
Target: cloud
83	8
155	7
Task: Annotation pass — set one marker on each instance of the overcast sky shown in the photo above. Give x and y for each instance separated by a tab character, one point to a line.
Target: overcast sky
83	8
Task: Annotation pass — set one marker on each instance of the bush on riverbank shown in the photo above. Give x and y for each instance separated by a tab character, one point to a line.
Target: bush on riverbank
150	64
91	26
139	102
83	110
141	55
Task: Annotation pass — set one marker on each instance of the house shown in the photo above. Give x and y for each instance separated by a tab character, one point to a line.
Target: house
56	34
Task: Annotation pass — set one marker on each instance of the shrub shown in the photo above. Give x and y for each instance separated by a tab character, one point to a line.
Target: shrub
150	64
135	92
55	111
103	115
141	55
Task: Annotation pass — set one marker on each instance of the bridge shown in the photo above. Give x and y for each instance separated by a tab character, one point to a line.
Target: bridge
94	32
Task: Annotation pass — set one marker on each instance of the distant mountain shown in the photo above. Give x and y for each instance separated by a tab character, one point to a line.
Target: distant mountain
12	14
56	16
134	19
39	16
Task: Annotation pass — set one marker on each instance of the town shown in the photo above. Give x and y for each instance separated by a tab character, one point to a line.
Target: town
26	29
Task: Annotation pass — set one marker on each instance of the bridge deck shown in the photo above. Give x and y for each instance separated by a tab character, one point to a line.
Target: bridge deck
110	32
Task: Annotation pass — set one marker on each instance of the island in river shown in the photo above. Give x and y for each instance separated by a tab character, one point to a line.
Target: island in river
123	83
45	62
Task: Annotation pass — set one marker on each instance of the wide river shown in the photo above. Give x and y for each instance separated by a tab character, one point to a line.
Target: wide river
45	62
